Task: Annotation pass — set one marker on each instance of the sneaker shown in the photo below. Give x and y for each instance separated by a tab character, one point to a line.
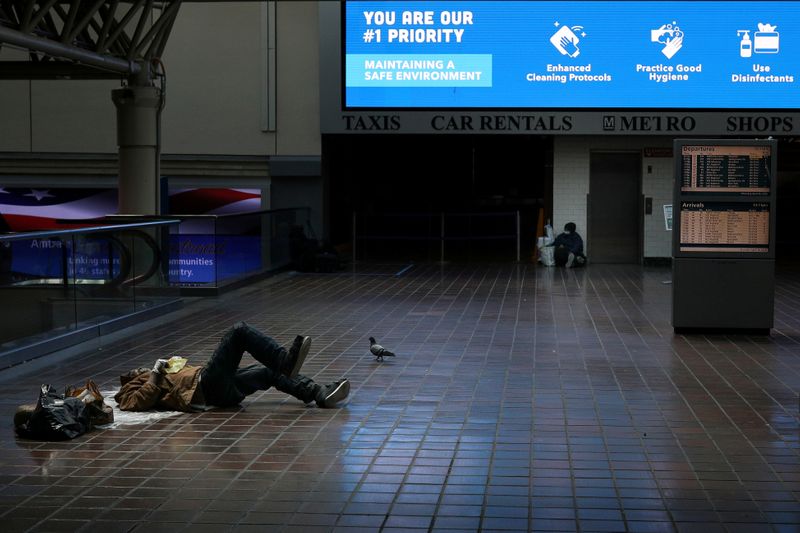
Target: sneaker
297	354
333	393
570	260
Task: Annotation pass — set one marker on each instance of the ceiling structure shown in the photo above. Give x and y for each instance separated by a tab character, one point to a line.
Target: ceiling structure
83	39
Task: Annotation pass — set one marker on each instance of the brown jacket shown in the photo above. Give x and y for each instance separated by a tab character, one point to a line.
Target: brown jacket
174	392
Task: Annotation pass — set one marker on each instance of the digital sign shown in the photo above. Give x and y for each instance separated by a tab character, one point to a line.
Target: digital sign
724	227
726	169
571	55
725	198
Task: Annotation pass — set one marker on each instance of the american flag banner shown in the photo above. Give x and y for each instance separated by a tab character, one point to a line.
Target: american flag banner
27	209
213	201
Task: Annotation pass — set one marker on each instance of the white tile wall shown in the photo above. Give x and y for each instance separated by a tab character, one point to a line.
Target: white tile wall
571	185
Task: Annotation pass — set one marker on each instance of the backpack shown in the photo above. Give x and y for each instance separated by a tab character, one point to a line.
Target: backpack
56	417
100	413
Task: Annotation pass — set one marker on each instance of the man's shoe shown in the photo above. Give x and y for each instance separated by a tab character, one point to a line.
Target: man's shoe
333	393
571	260
297	355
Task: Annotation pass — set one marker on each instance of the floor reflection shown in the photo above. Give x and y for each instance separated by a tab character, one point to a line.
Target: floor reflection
522	398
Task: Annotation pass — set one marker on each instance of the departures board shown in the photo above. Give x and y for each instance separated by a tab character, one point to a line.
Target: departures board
726	169
723	254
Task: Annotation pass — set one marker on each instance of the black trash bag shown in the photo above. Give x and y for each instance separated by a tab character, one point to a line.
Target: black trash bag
56	417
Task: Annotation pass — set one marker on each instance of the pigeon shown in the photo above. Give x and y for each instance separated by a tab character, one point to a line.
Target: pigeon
378	351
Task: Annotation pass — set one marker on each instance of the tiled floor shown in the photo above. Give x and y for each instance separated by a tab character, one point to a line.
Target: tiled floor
521	399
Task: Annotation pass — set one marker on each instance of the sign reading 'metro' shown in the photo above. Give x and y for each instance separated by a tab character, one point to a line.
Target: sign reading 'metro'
572	54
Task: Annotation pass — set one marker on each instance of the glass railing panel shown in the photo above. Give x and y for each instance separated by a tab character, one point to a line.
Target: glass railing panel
193	251
239	245
280	225
99	266
33	279
216	252
284	225
212	250
53	283
149	278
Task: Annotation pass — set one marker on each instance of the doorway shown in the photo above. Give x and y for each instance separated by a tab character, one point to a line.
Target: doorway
614	208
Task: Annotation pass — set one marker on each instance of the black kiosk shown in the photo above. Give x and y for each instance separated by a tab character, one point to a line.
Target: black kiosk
723	244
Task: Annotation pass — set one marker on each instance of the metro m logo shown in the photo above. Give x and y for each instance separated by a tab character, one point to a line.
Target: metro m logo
609	123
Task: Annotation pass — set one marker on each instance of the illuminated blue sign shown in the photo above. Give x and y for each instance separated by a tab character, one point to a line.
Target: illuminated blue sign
572	55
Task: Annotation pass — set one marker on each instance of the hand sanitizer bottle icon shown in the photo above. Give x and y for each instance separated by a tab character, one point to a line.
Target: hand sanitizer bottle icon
745	45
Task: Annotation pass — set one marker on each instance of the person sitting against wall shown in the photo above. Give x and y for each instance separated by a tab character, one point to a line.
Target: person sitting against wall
222	383
569	247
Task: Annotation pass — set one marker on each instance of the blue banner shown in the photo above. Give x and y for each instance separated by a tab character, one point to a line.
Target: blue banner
209	259
572	55
46	258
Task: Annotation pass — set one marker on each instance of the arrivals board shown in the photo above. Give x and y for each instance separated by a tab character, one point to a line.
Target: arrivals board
571	54
724	227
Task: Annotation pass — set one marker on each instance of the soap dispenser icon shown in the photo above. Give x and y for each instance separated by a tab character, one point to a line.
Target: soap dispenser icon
745	45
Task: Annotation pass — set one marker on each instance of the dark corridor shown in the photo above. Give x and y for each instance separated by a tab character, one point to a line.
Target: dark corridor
400	185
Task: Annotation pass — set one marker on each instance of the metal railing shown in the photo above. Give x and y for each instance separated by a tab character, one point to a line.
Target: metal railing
213	251
448	235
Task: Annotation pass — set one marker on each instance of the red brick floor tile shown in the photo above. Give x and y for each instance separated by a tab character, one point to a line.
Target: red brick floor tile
521	399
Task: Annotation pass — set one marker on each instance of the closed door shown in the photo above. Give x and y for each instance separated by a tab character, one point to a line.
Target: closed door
614	219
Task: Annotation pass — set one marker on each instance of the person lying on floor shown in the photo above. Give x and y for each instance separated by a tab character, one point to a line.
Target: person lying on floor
222	383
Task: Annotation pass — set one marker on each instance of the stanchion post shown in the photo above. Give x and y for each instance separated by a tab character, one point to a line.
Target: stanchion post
354	237
441	238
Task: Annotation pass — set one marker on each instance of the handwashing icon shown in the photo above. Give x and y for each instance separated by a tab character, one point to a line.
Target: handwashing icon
671	36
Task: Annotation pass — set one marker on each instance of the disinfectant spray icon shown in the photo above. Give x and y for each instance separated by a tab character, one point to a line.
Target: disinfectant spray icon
745	45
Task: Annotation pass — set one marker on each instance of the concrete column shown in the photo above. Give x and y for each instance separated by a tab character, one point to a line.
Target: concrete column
139	150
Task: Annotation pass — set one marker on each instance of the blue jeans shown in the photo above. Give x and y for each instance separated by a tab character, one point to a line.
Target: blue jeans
225	384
